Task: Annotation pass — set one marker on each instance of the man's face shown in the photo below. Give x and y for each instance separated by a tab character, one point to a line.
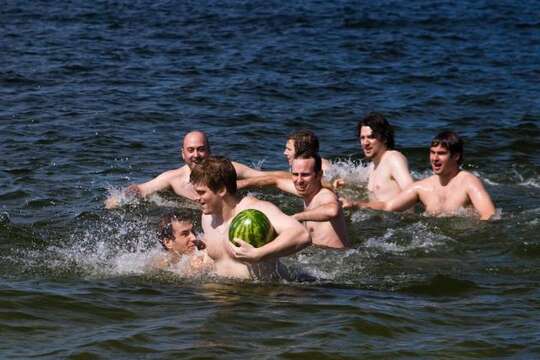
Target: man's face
289	151
372	146
194	149
306	181
209	201
441	160
183	240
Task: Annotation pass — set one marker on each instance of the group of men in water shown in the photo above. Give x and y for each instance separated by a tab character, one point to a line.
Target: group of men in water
213	181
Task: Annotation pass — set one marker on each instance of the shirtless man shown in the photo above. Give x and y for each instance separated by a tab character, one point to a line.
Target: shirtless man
322	214
195	148
303	141
448	190
388	172
214	181
178	240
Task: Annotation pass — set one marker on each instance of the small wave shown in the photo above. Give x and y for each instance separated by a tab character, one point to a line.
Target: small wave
327	265
401	240
441	285
531	183
119	198
351	171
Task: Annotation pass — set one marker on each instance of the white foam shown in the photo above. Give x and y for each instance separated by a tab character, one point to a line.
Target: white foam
531	183
416	236
351	171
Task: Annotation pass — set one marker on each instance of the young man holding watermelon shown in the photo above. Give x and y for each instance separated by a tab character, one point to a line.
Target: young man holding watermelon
322	214
214	182
195	148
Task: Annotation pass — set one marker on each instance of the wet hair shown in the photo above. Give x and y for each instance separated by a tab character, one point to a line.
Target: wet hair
165	230
381	129
311	155
216	172
304	140
450	141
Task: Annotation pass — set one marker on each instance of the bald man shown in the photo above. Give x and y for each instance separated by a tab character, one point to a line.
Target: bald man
195	148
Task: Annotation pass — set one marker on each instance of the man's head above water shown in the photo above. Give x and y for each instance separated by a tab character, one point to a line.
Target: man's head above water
195	148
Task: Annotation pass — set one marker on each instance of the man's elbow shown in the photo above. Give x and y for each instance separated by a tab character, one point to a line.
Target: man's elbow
333	212
303	239
487	215
134	190
241	184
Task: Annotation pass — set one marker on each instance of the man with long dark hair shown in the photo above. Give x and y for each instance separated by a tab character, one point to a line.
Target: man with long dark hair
448	190
388	172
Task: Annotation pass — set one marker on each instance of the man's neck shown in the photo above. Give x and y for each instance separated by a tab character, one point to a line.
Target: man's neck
444	179
308	198
377	159
228	208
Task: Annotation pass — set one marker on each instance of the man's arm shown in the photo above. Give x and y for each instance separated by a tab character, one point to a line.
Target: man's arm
403	201
163	181
292	237
400	170
280	179
327	210
245	172
480	198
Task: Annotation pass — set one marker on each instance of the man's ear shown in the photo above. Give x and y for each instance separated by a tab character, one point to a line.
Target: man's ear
222	192
168	243
182	154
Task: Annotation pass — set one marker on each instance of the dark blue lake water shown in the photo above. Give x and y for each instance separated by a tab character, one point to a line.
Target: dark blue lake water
97	95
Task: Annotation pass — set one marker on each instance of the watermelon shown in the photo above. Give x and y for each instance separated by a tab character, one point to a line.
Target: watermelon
253	227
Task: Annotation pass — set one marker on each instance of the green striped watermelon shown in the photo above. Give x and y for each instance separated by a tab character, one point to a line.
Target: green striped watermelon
253	227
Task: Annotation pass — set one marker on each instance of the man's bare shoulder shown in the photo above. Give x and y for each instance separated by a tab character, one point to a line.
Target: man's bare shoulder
250	202
424	183
325	195
394	157
468	178
180	172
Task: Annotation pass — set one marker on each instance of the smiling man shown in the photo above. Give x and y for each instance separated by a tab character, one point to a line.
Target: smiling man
448	190
195	148
214	182
388	171
176	236
322	214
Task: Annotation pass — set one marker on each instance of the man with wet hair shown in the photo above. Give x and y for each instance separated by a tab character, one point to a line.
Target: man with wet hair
195	148
303	141
214	182
175	234
448	190
388	171
322	214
